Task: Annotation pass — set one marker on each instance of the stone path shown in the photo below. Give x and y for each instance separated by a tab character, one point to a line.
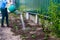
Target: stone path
6	34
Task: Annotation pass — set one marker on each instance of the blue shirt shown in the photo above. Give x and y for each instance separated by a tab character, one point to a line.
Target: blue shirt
3	3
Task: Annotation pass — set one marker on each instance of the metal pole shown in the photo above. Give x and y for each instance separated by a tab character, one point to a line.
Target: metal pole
36	20
27	15
23	24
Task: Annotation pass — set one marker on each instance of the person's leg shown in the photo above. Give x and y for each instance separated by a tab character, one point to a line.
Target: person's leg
2	21
3	15
7	20
6	14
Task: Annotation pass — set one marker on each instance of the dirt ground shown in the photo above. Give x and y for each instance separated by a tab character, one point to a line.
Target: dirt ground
6	34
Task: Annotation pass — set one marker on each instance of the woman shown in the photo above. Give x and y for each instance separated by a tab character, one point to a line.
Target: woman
4	12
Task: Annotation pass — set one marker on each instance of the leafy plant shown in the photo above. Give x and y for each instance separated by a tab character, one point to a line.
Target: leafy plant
53	19
15	27
53	13
33	36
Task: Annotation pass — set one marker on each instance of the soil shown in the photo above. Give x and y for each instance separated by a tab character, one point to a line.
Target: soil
6	34
32	31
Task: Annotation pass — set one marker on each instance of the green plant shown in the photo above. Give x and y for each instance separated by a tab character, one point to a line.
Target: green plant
55	19
33	36
46	37
33	29
15	27
24	36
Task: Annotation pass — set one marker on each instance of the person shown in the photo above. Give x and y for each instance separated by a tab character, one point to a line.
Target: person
4	12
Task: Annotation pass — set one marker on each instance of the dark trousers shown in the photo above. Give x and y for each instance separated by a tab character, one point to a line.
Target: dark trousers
4	14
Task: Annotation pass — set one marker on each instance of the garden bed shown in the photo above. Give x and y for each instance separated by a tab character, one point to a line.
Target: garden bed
32	32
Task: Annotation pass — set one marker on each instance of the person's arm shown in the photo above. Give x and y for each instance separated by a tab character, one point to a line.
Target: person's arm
8	3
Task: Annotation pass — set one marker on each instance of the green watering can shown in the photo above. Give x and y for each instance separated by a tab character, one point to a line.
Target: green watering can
12	8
